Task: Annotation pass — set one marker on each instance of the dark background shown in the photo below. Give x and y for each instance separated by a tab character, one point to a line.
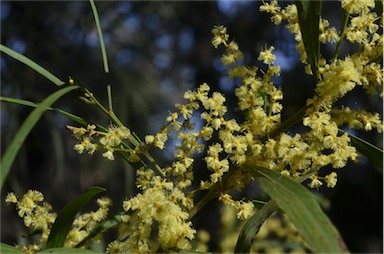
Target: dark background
156	51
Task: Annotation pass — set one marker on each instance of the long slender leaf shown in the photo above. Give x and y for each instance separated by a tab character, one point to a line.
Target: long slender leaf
309	20
302	210
252	227
103	51
71	116
66	216
32	64
372	152
100	33
67	251
8	249
20	102
12	150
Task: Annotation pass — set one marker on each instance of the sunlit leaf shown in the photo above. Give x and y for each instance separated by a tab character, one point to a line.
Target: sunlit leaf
66	216
302	209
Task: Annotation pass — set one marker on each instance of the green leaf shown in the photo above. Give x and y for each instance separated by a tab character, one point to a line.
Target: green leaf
71	116
252	227
309	20
32	64
67	251
103	50
66	216
302	209
8	249
20	102
373	153
101	38
12	150
379	6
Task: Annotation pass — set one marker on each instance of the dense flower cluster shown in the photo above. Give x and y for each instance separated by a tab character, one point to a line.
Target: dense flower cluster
38	217
160	204
36	214
338	77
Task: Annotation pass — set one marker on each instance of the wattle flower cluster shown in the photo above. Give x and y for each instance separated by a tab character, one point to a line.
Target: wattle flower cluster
158	218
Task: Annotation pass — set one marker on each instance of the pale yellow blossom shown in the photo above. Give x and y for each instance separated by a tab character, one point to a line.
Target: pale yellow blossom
266	56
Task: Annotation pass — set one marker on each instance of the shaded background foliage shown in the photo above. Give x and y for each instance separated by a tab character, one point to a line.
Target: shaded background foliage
156	51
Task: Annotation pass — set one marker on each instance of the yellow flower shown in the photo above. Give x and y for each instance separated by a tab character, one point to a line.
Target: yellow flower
215	104
315	182
270	149
149	139
357	6
220	36
331	180
109	155
11	198
266	56
285	173
173	120
160	140
244	210
74	236
115	247
77	132
272	7
206	132
104	202
185	110
114	136
216	123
